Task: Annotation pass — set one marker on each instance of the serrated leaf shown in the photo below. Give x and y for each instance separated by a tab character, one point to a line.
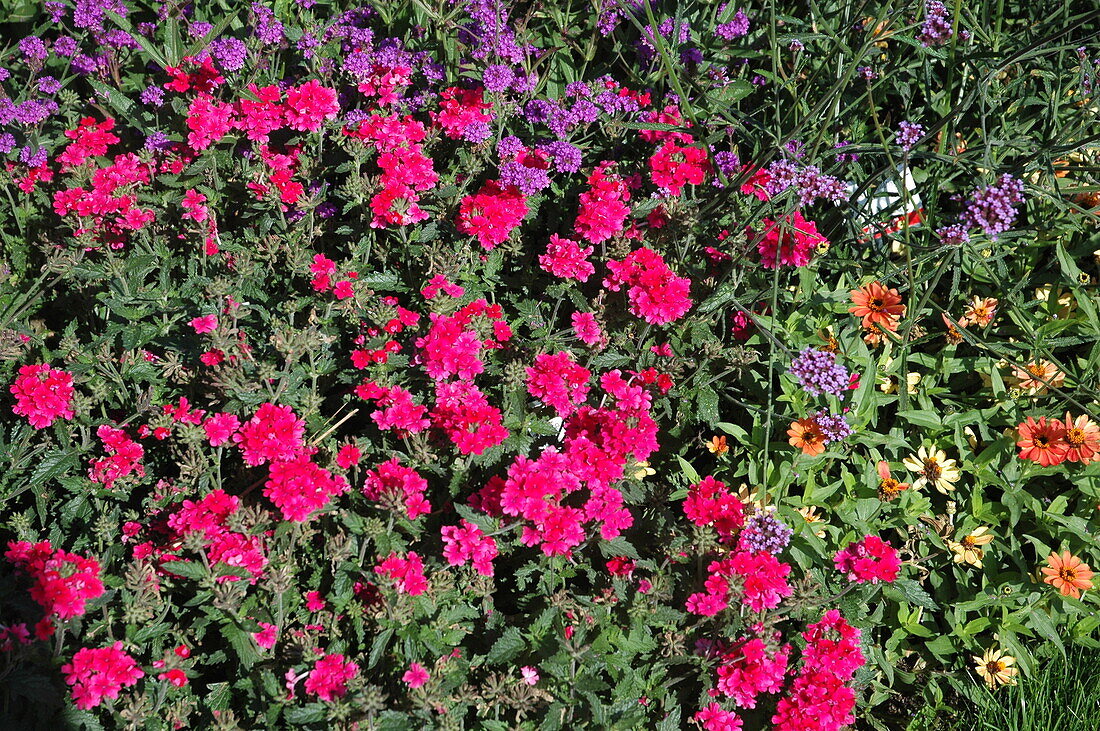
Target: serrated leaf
187	569
242	643
301	715
915	594
510	644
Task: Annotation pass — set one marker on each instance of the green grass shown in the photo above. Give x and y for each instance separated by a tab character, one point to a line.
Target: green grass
1063	695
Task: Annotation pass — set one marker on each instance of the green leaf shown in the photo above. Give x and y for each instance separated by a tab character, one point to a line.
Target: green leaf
707	401
309	713
915	594
510	644
1069	266
378	647
1041	623
927	419
242	642
187	569
688	470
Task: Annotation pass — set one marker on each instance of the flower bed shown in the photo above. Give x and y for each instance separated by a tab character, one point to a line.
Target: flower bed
507	366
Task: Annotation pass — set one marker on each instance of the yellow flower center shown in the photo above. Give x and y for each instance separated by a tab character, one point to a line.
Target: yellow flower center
889	487
1036	370
995	666
932	469
1075	437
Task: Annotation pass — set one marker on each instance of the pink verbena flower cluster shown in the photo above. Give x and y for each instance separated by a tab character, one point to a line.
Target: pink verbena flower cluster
42	394
751	667
869	559
109	205
759	578
709	502
464	414
123	458
656	294
329	677
399	411
566	259
467	543
63	582
715	718
558	381
491	214
274	433
604	208
299	487
598	443
820	698
407	573
463	109
453	343
789	242
209	517
98	673
673	166
406	170
392	480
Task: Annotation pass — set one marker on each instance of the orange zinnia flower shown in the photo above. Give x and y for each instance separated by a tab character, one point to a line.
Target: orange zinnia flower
1068	574
806	434
888	487
877	305
1042	441
1082	439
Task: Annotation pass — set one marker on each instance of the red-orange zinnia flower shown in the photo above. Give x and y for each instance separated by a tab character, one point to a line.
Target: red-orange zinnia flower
1082	439
877	305
1068	574
1042	441
806	434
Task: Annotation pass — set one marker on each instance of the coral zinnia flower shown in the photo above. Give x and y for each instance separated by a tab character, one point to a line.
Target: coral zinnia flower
1043	441
995	667
806	434
980	311
933	468
969	549
1038	377
877	305
1068	574
888	487
1082	439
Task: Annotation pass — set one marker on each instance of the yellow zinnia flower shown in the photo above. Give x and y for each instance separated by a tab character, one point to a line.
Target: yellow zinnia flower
996	669
969	548
933	468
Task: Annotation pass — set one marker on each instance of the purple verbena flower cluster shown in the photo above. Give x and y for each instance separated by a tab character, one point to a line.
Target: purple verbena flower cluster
834	426
818	372
737	26
764	532
936	29
993	209
909	133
